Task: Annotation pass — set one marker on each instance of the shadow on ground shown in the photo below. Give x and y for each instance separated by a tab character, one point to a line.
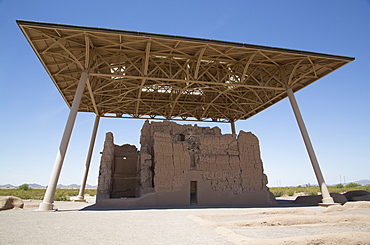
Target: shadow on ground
280	204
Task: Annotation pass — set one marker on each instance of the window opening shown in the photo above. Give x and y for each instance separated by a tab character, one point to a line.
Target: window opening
182	137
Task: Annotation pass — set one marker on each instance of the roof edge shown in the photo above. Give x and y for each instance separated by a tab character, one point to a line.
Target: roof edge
236	44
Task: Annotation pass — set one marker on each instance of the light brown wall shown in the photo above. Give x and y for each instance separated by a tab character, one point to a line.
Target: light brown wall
228	169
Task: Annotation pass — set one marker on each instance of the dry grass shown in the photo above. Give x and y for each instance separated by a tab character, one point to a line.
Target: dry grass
38	194
313	190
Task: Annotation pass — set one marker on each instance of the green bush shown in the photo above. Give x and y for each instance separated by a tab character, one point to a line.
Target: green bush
339	186
351	185
278	192
91	192
24	187
312	192
290	192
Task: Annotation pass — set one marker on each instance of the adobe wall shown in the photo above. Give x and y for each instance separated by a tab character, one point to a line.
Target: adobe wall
118	170
226	169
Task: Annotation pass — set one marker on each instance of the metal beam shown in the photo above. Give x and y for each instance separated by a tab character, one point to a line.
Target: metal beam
92	96
145	66
233	130
242	79
198	62
187	81
87	51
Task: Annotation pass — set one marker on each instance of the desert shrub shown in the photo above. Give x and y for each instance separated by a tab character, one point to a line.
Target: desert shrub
351	185
278	192
311	190
24	187
333	189
311	193
65	194
35	194
60	195
290	192
339	186
314	190
91	192
38	194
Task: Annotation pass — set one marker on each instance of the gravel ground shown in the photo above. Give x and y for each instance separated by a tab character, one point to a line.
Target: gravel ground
287	225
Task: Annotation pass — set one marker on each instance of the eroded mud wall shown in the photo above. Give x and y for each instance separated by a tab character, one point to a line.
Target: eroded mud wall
118	175
106	168
229	163
184	165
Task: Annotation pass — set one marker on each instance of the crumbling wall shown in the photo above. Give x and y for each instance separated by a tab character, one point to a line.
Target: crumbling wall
118	170
125	181
171	163
166	152
231	164
106	168
185	164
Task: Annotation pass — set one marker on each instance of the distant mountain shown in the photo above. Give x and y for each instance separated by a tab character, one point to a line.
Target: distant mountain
91	186
71	186
8	186
362	182
75	186
36	186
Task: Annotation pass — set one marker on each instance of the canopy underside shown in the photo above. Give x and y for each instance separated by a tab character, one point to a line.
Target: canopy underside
144	75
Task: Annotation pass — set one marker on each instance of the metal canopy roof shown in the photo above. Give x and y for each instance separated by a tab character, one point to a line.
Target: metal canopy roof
144	75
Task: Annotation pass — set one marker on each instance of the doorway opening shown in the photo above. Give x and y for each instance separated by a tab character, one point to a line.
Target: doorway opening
193	193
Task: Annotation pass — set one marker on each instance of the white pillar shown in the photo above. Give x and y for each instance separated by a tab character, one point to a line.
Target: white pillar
233	130
47	203
326	198
88	159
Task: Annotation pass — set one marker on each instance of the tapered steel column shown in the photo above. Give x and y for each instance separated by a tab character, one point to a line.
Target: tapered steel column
88	159
233	130
47	203
326	198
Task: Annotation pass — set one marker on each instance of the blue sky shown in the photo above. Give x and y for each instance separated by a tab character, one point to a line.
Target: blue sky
336	109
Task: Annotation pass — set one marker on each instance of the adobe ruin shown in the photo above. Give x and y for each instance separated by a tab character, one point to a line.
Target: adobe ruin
181	165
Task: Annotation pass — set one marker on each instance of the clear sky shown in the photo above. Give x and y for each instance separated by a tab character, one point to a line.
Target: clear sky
336	109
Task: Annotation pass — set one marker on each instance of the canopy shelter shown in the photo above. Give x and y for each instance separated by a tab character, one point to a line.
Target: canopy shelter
125	74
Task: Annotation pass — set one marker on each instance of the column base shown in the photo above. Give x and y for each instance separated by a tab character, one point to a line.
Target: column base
46	207
78	199
328	200
329	204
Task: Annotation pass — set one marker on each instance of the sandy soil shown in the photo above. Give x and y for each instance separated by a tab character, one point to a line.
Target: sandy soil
348	224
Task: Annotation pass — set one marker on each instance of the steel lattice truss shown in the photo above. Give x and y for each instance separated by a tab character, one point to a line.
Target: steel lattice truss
144	75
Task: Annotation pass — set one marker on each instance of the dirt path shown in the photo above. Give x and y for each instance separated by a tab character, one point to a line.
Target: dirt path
348	224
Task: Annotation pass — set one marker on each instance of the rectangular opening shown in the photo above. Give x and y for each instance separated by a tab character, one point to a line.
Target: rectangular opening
193	193
124	178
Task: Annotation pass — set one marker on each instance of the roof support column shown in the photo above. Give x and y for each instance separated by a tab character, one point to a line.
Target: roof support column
47	203
233	130
326	198
80	196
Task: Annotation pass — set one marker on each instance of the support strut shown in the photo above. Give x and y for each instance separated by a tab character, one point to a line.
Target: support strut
326	198
80	196
47	203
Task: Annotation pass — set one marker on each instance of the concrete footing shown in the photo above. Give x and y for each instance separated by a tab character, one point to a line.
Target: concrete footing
329	204
78	199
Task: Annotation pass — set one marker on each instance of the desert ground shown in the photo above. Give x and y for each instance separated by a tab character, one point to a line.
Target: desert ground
81	223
